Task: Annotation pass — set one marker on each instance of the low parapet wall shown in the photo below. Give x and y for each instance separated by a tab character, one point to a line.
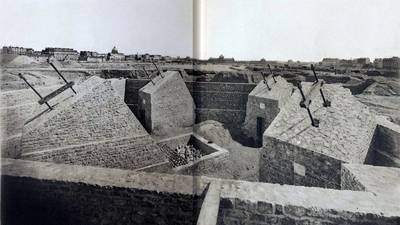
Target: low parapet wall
257	203
375	179
45	193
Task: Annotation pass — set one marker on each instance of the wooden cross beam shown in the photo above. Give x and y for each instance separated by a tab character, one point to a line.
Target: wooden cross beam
36	92
62	77
56	92
46	99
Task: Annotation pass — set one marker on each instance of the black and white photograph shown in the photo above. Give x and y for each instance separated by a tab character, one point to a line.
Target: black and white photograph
200	112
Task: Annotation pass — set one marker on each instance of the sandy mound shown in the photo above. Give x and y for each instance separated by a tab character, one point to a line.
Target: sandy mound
72	64
213	131
22	60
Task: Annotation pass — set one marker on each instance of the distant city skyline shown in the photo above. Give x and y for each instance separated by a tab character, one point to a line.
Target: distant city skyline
299	30
151	26
211	57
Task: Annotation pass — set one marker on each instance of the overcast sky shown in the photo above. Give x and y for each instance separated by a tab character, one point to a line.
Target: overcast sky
144	26
303	29
244	29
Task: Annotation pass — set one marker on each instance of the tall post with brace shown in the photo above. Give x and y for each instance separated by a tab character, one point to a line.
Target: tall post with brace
148	75
158	70
34	90
306	98
271	72
62	77
266	77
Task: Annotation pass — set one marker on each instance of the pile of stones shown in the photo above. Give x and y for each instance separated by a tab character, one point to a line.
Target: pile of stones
181	155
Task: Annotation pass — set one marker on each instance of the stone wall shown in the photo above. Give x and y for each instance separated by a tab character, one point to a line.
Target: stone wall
226	116
349	181
166	104
376	179
262	204
119	86
15	109
284	163
132	93
386	146
59	194
209	164
174	142
264	103
46	193
125	153
94	127
223	102
312	156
